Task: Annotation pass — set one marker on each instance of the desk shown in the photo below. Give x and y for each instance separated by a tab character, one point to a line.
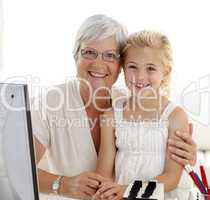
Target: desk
52	197
55	197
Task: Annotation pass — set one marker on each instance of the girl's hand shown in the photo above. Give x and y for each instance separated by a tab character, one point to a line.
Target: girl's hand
111	191
182	147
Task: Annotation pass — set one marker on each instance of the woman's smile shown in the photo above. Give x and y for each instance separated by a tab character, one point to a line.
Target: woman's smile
97	75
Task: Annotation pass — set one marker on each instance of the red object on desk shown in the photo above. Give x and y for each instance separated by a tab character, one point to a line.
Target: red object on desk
204	179
195	179
203	176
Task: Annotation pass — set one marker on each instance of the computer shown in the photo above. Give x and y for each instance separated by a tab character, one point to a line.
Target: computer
18	180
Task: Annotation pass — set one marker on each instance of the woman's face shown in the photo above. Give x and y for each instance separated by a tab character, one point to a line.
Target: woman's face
98	72
144	70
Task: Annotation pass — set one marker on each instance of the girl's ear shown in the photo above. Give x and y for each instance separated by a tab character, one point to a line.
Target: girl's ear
167	71
166	75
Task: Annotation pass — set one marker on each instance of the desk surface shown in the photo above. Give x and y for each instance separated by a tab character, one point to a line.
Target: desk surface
52	197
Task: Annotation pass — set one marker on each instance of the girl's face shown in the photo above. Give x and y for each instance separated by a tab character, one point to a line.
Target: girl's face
143	70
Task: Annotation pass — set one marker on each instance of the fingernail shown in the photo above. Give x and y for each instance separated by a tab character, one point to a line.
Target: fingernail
172	155
170	140
178	133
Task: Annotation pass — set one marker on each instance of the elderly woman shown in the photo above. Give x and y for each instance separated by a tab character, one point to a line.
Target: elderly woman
66	125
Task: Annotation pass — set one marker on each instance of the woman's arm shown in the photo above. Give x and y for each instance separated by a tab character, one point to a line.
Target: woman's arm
172	171
107	152
83	185
45	179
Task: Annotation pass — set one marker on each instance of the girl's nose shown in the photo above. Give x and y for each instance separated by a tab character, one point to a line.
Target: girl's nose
141	74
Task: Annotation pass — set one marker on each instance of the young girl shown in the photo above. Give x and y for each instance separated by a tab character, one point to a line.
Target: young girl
135	145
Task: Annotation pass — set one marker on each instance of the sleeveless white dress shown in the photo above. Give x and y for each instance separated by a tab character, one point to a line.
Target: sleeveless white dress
141	148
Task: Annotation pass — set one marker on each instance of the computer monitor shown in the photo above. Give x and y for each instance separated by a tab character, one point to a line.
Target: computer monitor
18	180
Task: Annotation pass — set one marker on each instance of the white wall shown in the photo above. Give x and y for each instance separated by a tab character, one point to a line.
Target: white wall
39	36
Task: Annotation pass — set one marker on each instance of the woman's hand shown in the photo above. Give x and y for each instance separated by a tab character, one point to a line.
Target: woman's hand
83	185
182	147
110	191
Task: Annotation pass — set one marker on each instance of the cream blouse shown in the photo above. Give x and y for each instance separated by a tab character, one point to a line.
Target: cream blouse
61	124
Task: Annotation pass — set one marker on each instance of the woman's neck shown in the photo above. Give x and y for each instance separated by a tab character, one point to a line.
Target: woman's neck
98	103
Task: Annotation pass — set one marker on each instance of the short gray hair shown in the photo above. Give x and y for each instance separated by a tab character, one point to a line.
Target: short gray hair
99	27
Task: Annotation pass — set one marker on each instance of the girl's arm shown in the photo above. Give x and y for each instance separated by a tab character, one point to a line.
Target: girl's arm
184	152
107	152
172	171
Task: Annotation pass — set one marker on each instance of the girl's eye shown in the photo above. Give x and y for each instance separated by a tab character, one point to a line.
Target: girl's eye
132	67
151	69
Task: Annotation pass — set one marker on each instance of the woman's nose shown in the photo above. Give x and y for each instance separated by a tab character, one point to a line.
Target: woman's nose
99	61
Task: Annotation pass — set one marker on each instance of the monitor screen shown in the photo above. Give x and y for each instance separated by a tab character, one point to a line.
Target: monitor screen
18	180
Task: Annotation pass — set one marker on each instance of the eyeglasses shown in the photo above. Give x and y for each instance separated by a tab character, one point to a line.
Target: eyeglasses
107	56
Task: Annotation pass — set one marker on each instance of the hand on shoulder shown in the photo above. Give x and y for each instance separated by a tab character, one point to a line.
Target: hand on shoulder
182	147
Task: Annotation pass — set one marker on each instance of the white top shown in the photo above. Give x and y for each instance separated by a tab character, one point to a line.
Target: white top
141	148
64	131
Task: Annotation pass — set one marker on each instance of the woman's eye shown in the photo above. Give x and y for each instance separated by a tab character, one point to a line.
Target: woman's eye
110	55
89	52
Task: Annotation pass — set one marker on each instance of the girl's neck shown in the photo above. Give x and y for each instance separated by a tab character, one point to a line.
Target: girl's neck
148	103
145	110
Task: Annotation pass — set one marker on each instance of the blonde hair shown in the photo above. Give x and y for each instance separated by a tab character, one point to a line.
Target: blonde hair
155	40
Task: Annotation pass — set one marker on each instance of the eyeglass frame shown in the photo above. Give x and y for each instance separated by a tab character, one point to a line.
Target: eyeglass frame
99	53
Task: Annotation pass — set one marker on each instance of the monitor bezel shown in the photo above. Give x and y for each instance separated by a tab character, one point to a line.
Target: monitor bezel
31	143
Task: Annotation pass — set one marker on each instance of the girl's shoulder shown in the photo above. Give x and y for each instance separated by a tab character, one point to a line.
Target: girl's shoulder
178	120
120	103
114	113
107	119
178	114
175	113
108	114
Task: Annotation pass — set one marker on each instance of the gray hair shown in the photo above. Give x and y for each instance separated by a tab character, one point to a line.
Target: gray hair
99	27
